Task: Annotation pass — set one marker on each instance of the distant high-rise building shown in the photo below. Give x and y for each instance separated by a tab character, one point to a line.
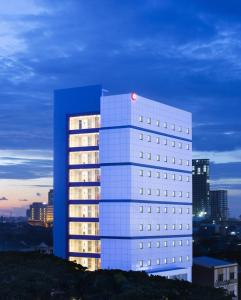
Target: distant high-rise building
51	197
37	212
200	187
40	214
122	182
219	205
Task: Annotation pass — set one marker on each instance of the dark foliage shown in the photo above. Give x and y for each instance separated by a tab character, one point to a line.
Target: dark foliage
25	276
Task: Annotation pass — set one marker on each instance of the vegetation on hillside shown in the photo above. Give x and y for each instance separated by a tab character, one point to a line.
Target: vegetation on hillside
40	277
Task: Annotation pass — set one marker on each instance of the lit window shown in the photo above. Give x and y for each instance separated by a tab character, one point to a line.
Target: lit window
148	191
141	136
180	129
174	226
180	177
187	130
187	147
188	179
149	173
141	154
141	209
180	194
188	195
173	160
140	118
165	193
158	261
158	192
148	120
180	259
165	261
158	157
158	209
173	259
173	126
165	243
187	226
180	226
149	245
180	161
158	123
165	124
141	263
173	143
158	140
188	243
165	210
158	244
149	227
180	145
173	194
149	209
141	191
165	226
141	227
165	175
188	258
141	172
141	245
165	159
180	210
187	163
149	138
149	156
173	244
158	227
173	210
180	243
149	262
158	174
165	141
188	211
173	176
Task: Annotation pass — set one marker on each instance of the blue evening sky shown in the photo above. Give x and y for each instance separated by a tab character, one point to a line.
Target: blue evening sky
183	53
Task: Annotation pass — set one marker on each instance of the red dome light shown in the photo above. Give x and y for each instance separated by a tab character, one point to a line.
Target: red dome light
133	96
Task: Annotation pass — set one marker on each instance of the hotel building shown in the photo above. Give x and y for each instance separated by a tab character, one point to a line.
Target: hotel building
122	182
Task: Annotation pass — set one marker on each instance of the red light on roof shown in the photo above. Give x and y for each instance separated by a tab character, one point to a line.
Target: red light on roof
133	96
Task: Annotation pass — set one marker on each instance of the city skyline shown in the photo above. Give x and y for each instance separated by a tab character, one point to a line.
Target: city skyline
188	58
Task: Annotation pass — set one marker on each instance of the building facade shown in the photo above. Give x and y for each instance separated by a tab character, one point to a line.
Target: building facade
219	205
217	273
122	183
37	213
201	187
51	197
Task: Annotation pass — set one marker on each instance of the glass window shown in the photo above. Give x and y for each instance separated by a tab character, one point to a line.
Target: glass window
141	263
165	226
149	138
149	262
158	192
141	227
158	175
158	157
173	143
141	209
158	209
149	173
158	227
149	245
165	124
141	172
158	140
158	261
165	159
158	244
165	210
149	156
149	227
141	245
140	118
149	191
165	243
141	136
141	154
149	209
141	191
148	120
158	123
165	175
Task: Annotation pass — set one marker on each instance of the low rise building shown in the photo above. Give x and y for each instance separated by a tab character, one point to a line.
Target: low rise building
217	273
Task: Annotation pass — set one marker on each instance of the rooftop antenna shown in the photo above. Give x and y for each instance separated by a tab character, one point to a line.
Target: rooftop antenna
104	91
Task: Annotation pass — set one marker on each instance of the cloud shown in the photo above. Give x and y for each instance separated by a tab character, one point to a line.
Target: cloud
3	198
222	157
23	200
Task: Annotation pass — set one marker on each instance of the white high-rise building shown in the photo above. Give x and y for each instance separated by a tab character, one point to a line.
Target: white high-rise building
123	194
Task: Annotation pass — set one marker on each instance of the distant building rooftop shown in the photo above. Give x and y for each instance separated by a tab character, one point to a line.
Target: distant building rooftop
210	262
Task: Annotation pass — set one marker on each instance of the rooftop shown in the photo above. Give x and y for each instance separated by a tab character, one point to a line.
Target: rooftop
211	262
